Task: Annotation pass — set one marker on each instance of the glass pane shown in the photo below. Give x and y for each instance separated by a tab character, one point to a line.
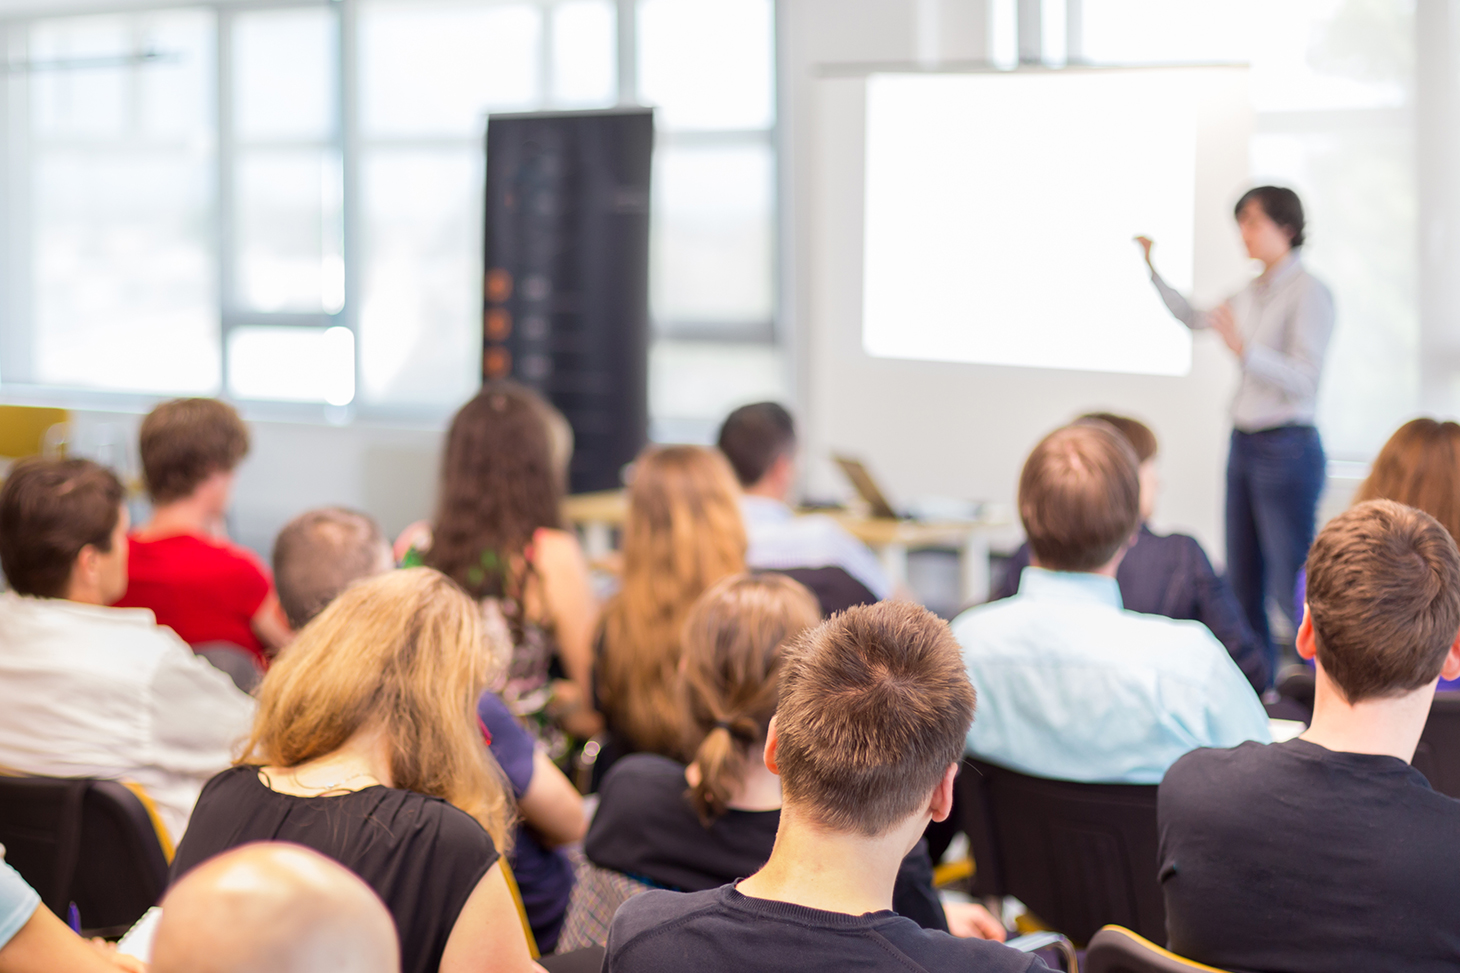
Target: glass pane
585	53
121	266
708	63
711	243
284	68
1306	55
434	68
292	364
287	215
1359	188
420	312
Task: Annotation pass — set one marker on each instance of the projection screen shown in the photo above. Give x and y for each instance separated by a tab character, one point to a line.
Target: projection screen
1000	211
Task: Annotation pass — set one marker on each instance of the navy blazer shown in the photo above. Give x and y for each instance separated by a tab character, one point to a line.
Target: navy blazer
1169	574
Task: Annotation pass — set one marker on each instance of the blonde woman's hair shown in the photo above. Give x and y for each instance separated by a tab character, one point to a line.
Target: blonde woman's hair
405	652
683	533
734	642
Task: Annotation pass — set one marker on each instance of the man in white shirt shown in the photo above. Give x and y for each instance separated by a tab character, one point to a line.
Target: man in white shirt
92	691
1071	685
760	442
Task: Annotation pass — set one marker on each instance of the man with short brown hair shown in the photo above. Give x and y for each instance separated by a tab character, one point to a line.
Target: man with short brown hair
217	596
1073	686
322	552
1330	852
874	704
88	690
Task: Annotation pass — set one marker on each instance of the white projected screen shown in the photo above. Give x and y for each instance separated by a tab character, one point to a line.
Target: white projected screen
1000	210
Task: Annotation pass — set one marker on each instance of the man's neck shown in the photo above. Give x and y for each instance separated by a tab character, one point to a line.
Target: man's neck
832	871
766	491
1390	726
190	515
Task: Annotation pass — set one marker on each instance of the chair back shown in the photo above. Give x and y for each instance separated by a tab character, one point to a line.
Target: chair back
835	589
597	894
1118	950
1078	855
88	842
1438	753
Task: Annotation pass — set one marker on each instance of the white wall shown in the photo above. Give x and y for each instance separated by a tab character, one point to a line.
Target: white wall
963	430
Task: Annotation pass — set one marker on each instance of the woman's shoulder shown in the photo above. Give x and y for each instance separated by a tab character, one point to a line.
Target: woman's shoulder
553	548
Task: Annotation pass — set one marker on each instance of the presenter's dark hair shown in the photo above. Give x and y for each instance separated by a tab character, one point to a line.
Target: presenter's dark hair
49	510
1080	496
755	436
1281	205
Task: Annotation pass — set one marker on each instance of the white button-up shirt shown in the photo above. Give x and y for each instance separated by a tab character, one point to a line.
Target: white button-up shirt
1285	318
87	691
1074	687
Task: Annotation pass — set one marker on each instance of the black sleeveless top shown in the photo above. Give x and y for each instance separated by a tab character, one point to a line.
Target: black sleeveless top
422	856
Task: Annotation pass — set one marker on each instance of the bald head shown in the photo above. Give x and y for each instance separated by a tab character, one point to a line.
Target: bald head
271	907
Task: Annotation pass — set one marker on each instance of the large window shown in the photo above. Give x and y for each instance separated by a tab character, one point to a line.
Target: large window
282	201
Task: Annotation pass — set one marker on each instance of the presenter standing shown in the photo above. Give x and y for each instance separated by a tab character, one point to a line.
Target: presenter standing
1278	326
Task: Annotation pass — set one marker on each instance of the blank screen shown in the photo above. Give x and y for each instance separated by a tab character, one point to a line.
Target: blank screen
1000	209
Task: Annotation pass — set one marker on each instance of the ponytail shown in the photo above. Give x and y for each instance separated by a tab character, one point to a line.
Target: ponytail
723	758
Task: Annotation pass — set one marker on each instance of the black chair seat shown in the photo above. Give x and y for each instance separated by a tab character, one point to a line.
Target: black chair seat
88	842
1080	856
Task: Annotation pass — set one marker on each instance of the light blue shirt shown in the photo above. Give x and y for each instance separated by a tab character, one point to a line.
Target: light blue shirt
779	539
18	902
1074	687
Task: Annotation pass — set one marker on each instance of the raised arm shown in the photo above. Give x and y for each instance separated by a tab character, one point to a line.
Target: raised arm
1178	305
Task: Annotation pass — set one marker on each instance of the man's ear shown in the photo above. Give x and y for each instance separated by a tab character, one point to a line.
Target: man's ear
772	737
1307	648
1451	668
942	803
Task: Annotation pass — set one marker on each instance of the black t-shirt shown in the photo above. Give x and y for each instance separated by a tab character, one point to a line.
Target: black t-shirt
722	931
1290	858
646	828
422	856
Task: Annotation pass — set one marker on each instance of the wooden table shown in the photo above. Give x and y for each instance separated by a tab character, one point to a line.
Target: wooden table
596	515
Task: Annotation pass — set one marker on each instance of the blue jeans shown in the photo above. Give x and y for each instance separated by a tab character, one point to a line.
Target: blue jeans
1274	479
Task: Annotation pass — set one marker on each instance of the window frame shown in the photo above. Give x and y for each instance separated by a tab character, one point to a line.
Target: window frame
350	142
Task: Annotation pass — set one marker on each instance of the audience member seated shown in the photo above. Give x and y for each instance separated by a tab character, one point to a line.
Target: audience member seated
33	940
272	907
698	827
92	691
367	749
321	553
214	594
1419	467
760	443
1075	687
873	708
498	533
1169	574
683	533
1330	852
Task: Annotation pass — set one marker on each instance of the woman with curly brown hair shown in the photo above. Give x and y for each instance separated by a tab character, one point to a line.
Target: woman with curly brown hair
683	533
498	533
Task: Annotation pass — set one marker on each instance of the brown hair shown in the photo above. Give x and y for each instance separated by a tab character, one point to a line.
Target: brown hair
1383	598
49	510
499	485
319	553
1419	467
875	705
402	651
185	441
1137	433
683	533
1080	496
733	649
754	436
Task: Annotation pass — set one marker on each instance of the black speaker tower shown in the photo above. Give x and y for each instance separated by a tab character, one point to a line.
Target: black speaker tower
566	307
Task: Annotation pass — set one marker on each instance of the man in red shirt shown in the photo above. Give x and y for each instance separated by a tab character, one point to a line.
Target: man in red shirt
209	591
